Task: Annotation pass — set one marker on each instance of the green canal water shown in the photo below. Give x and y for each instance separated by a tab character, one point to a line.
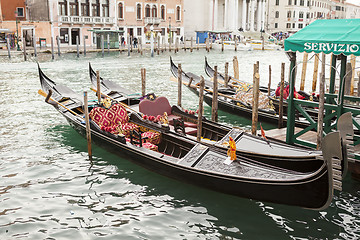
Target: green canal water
50	190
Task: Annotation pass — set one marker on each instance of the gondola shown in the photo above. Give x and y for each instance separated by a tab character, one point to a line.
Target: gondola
275	100
195	163
227	103
214	134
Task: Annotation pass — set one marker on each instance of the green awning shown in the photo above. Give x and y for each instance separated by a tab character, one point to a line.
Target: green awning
338	36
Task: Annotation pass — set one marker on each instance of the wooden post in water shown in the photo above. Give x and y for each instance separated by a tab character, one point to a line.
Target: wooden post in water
191	46
98	90
316	69
347	79
214	106
303	72
197	44
207	44
8	47
201	108
77	46
185	44
34	43
102	45
58	44
226	74
236	68
281	100
353	62
84	41
179	84
141	47
269	85
108	43
210	44
255	105
129	44
235	43
190	81
321	111
87	122
222	44
170	44
158	45
52	48
143	82
176	46
24	46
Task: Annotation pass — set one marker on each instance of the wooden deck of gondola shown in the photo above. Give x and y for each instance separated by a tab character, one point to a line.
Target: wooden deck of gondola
280	134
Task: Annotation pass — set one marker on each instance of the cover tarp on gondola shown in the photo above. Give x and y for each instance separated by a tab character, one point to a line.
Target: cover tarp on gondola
338	36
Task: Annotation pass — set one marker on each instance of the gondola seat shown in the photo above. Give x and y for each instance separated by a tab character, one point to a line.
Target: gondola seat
113	117
152	137
157	107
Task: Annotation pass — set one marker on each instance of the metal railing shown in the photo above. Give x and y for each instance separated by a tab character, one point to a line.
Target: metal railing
86	20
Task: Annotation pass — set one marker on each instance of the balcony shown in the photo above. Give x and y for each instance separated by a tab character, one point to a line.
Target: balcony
86	20
152	21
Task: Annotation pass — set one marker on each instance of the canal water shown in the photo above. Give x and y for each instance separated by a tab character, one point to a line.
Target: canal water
50	190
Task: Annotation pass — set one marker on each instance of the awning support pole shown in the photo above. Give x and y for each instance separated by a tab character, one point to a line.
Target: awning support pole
291	107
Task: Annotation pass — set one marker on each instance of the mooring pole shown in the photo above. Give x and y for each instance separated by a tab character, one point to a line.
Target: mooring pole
179	84
87	122
353	63
197	44
58	44
303	72
102	45
8	47
24	46
316	69
214	106
52	48
201	108
143	82
128	42
281	100
98	90
320	130
255	105
222	44
77	46
236	68
226	74
84	45
34	43
191	46
269	85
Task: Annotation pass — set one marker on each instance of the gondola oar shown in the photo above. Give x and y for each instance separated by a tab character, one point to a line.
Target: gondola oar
42	93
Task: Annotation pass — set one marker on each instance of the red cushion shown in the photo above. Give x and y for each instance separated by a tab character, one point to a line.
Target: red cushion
156	107
150	146
117	113
190	124
98	115
153	137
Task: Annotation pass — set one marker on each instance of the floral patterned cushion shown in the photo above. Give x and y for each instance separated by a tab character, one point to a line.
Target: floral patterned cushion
117	113
150	146
153	137
98	115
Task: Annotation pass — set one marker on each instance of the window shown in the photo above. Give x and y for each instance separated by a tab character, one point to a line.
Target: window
308	3
178	13
302	3
139	31
121	10
288	25
74	7
289	3
294	14
162	31
289	14
277	14
295	2
300	25
62	8
154	11
96	8
138	11
85	11
105	8
162	12
301	15
276	25
277	3
20	11
308	15
293	25
147	10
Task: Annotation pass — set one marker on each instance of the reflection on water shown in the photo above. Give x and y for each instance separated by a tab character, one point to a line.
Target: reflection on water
49	188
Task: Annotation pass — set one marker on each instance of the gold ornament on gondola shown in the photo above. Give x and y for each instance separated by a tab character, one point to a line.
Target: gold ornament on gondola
106	102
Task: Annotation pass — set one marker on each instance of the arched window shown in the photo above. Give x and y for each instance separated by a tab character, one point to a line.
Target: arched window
277	14
301	15
178	13
138	11
289	14
163	12
147	10
289	3
154	11
121	10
